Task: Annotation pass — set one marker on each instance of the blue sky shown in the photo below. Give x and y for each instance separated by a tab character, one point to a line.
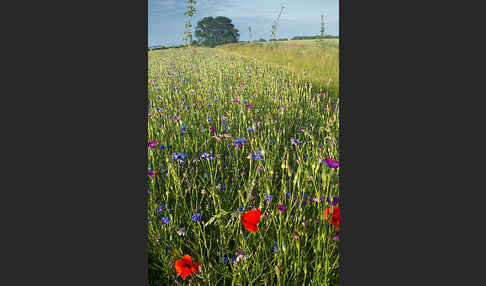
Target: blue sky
166	18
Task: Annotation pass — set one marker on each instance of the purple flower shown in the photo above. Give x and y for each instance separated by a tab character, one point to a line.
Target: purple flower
336	237
181	231
153	144
296	235
151	173
335	201
281	208
331	163
251	129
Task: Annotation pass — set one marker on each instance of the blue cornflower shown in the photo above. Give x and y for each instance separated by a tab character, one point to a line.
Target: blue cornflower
251	129
272	140
257	156
268	197
241	209
179	156
196	217
183	127
206	155
210	119
295	141
233	260
165	220
290	195
275	249
162	146
239	141
225	260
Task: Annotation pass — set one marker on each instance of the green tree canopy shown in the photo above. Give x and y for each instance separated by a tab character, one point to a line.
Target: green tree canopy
216	31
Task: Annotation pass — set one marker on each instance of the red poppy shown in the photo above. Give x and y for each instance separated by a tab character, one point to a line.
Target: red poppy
250	220
334	218
185	267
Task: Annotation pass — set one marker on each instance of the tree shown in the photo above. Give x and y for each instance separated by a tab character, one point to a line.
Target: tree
216	31
189	13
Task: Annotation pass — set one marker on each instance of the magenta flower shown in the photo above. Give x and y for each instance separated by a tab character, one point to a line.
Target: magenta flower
237	99
331	163
283	107
281	208
249	106
151	173
336	237
212	129
296	236
153	144
177	118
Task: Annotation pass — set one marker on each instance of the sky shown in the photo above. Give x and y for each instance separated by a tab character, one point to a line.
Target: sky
166	18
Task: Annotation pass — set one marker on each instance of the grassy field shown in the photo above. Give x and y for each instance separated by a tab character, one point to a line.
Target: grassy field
319	61
231	130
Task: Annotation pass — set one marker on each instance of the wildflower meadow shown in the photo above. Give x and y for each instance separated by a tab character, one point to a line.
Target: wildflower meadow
243	170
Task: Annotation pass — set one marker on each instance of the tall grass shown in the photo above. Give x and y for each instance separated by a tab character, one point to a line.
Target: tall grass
319	61
200	101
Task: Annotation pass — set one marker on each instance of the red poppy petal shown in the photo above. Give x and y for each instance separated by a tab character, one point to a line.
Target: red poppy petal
178	267
326	212
195	267
251	227
252	217
187	259
250	220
